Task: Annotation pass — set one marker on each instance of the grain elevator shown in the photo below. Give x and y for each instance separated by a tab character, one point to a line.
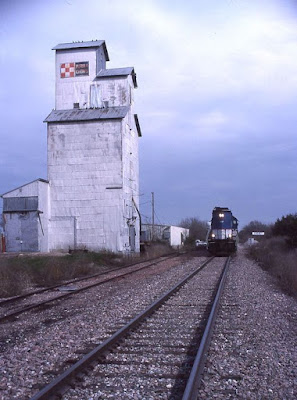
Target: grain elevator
92	155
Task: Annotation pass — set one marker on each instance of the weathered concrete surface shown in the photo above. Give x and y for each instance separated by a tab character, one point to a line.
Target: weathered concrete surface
93	165
91	199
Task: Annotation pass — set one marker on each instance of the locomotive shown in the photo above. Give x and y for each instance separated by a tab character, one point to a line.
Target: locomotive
222	237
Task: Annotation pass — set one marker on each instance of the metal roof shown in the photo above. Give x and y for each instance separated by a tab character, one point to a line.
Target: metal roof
118	72
90	114
81	45
29	183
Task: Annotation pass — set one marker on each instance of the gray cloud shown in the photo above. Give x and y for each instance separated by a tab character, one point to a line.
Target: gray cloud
216	98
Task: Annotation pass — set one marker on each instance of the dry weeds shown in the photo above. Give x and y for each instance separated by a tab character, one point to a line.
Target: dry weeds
19	273
274	256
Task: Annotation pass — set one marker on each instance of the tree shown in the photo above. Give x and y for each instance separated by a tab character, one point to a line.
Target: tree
287	226
198	229
254	226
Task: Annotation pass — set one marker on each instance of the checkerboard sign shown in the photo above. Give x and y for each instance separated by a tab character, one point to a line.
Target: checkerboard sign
67	70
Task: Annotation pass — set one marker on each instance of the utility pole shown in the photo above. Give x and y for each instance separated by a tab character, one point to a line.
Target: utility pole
153	216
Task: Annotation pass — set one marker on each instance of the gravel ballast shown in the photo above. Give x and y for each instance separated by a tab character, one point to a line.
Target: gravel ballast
253	352
37	347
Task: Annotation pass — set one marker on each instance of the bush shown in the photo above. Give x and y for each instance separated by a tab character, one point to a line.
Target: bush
197	229
274	256
254	226
12	281
287	227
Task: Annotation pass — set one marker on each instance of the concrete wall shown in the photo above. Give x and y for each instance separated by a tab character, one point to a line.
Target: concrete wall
117	91
74	89
93	174
93	166
131	178
84	170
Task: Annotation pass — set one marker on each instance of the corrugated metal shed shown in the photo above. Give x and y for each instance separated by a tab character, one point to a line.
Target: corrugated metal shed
20	204
103	73
87	115
81	45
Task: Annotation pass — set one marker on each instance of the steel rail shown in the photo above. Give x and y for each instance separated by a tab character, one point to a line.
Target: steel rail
64	295
75	280
192	387
60	381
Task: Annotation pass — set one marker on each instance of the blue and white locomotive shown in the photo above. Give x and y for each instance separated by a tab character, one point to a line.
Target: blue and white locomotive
222	237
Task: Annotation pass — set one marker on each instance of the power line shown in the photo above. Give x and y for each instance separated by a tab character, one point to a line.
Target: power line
149	201
158	219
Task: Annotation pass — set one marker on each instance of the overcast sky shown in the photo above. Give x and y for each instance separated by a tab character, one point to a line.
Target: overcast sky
216	97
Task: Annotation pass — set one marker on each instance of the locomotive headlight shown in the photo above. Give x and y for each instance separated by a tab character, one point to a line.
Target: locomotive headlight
230	235
221	215
213	235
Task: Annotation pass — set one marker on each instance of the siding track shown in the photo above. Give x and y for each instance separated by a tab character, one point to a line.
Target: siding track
152	356
18	305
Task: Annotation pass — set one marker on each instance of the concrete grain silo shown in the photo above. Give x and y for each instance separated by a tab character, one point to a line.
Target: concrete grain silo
92	153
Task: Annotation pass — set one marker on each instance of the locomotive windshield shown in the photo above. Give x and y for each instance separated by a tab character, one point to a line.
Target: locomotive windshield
222	220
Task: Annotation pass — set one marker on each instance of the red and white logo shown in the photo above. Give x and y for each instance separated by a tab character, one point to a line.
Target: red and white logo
67	70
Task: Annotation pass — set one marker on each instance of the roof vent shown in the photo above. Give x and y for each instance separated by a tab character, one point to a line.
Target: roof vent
105	104
75	105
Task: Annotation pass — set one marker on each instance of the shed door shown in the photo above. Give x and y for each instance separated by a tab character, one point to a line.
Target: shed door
29	230
22	231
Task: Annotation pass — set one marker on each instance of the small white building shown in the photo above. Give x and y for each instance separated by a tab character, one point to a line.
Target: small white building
175	236
26	216
92	154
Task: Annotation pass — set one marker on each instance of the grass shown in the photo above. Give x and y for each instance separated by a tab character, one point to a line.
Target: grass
279	260
20	273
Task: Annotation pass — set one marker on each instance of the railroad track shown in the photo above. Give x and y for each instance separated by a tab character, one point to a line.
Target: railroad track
18	305
155	355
